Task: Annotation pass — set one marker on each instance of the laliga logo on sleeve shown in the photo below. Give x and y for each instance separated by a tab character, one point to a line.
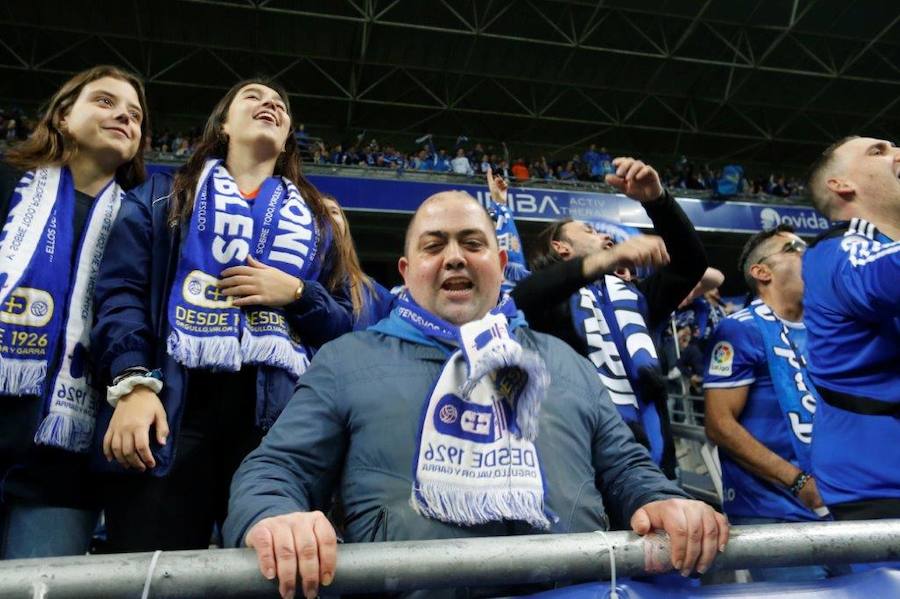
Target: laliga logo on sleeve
722	357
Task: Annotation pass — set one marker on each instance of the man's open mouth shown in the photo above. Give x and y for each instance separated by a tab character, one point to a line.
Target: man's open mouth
457	285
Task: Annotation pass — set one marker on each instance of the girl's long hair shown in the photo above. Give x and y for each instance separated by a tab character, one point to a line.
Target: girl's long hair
51	145
214	144
348	270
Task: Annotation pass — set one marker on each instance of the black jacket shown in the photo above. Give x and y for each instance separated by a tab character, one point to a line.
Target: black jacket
544	296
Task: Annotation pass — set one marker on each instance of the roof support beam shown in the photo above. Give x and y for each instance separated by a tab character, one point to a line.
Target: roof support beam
534	41
784	34
22	61
691	27
878	36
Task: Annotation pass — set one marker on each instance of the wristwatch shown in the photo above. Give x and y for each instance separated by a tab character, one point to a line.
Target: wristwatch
299	293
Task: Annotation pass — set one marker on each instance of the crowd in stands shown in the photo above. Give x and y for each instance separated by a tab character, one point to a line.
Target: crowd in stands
199	353
592	165
473	159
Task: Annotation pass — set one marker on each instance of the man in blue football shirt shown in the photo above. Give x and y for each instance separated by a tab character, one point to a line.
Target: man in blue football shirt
759	400
852	311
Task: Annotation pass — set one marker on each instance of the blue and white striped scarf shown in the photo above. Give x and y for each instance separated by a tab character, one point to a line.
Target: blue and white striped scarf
797	396
476	461
609	316
46	300
278	229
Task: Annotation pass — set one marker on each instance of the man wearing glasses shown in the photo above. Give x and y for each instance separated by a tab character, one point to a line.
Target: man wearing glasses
852	309
759	399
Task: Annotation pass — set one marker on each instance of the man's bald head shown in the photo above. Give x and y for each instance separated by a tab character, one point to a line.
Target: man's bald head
444	196
452	265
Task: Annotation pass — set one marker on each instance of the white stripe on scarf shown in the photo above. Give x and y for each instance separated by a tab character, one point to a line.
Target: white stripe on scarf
477	461
70	403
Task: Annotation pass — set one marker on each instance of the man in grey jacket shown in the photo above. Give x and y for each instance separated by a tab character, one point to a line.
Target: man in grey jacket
355	422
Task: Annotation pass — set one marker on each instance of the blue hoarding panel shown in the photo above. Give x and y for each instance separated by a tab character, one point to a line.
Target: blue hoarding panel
551	204
876	583
398	195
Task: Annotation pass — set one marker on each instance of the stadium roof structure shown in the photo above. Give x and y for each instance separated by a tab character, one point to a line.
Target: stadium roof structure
766	82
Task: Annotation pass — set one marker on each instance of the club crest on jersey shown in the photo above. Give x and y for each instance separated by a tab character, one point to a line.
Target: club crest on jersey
722	358
28	307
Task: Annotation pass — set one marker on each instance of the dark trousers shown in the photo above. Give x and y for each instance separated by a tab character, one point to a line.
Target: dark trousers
178	511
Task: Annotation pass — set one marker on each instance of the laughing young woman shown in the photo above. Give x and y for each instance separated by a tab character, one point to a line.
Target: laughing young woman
60	191
205	317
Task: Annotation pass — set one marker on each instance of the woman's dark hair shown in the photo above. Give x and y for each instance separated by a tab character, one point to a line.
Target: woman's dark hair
213	143
347	270
544	254
49	144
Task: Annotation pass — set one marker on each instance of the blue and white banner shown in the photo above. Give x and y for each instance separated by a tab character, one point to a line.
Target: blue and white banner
536	204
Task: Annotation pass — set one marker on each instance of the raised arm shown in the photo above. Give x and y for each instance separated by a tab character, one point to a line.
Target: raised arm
665	288
556	283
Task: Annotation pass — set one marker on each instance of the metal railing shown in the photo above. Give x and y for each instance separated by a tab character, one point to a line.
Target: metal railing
477	562
700	473
687	409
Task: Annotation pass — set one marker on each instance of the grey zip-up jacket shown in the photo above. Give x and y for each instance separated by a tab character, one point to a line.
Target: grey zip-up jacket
352	424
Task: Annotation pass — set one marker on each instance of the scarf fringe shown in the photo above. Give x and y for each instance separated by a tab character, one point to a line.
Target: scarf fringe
65	431
22	377
191	351
471	508
273	350
528	406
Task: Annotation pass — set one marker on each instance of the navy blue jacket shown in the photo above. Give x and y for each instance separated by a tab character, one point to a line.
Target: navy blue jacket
131	327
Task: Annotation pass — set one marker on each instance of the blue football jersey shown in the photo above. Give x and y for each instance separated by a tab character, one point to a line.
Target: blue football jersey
736	357
852	311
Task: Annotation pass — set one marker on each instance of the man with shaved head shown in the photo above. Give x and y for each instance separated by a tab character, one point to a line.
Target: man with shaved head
852	313
450	418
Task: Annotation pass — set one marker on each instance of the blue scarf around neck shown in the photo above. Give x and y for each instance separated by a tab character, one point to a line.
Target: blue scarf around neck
278	229
609	316
47	301
787	366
